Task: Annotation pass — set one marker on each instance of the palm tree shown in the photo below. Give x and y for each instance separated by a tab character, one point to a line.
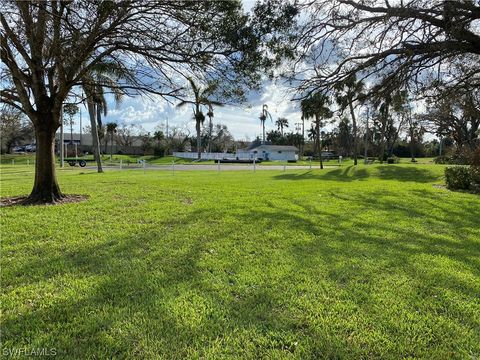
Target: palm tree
158	136
111	129
316	107
103	76
281	123
263	116
210	126
311	133
346	94
201	98
70	110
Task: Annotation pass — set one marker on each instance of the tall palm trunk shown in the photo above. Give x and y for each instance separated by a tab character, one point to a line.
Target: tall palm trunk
412	146
319	144
354	129
111	143
210	131
198	128
302	148
96	142
382	134
263	132
411	129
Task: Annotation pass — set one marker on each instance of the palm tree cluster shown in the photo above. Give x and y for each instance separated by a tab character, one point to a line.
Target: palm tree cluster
316	107
202	96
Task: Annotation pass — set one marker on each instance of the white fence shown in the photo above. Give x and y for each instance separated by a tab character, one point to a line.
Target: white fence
204	156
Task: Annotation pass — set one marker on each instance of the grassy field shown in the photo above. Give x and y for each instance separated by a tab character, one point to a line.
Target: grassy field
374	262
23	159
29	158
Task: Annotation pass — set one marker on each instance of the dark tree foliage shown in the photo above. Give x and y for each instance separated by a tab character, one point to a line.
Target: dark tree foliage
420	42
14	128
457	117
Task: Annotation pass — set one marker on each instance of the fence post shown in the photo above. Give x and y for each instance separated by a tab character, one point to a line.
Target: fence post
284	167
28	162
173	167
144	166
120	164
13	162
218	165
310	163
254	165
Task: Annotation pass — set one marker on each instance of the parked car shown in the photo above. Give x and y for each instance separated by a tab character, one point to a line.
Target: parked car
18	149
31	148
329	155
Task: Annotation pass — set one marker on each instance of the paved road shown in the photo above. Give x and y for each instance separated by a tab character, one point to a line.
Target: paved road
223	167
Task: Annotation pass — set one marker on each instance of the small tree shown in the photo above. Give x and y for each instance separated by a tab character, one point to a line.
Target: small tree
201	97
111	131
69	111
14	128
316	107
348	92
263	117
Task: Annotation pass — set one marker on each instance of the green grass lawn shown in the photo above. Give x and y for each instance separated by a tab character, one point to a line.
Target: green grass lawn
367	263
29	158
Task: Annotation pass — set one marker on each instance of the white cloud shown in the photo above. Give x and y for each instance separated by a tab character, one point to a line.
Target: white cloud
242	121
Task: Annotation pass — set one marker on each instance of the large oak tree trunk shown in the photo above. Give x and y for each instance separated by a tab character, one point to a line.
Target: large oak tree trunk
45	188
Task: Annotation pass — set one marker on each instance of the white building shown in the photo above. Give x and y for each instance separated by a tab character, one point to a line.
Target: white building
269	152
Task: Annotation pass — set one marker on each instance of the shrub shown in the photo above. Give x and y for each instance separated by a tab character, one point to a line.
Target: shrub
459	158
458	177
442	160
475	170
392	160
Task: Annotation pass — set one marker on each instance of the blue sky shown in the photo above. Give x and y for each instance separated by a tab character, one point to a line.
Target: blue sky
242	121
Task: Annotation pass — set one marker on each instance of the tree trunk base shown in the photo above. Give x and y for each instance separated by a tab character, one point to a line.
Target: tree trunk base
38	201
39	198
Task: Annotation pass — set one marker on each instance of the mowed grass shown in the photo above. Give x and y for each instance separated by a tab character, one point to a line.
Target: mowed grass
374	262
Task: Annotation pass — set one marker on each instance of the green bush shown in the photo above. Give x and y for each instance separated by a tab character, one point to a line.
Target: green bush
392	160
458	177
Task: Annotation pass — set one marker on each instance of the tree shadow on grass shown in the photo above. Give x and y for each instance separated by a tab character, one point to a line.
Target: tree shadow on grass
352	173
233	291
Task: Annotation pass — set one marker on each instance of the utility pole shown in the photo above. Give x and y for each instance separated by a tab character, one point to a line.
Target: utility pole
71	131
80	127
62	154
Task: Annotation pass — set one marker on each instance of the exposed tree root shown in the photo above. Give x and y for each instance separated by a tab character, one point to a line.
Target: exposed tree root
29	200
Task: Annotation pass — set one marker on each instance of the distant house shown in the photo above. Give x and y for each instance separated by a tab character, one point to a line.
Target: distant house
269	152
85	144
